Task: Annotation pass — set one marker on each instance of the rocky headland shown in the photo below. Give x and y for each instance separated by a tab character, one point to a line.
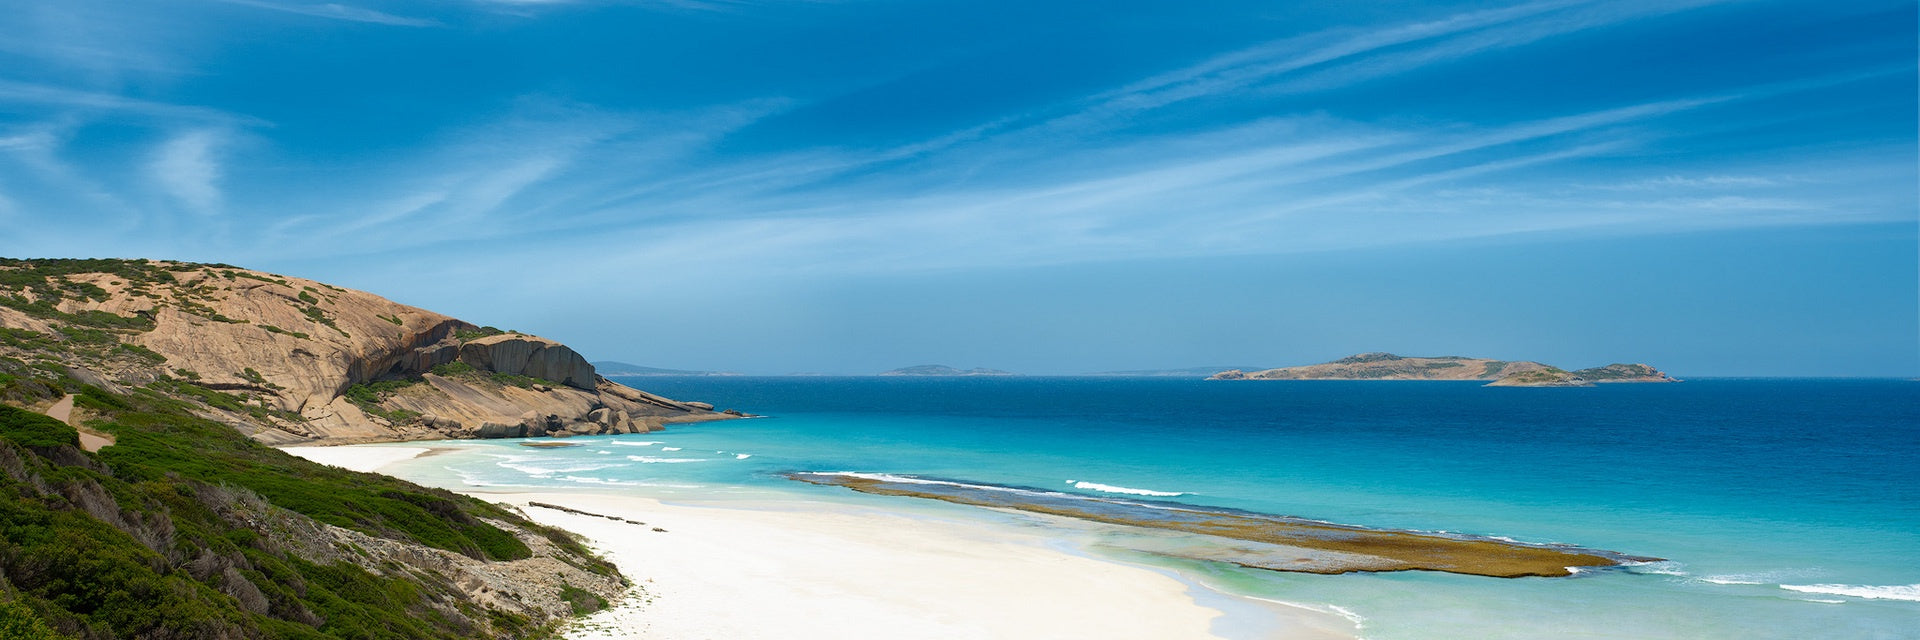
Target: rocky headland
287	359
141	499
1497	373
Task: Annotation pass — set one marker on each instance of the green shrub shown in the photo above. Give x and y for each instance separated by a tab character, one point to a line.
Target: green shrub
29	429
472	334
451	369
580	600
143	352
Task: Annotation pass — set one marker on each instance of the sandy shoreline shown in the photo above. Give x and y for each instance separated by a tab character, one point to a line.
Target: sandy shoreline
358	457
804	569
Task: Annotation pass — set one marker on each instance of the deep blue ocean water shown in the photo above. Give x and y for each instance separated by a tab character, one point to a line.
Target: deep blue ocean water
1785	508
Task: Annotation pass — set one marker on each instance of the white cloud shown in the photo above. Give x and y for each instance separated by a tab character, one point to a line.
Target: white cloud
187	168
335	11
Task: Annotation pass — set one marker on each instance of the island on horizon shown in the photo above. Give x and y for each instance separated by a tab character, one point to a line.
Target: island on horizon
941	370
1497	373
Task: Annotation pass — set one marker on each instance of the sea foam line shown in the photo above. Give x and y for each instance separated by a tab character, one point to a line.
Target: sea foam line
1907	592
1107	488
656	459
887	477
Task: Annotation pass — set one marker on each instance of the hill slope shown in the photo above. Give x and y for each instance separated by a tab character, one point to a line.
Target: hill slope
287	359
182	527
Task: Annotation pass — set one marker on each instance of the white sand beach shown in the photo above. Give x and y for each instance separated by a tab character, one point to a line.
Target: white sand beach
801	569
357	458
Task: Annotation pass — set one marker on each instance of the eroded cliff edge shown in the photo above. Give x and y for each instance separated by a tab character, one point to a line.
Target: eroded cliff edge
287	359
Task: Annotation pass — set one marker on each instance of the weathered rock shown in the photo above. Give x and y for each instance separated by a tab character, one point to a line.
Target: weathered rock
699	405
297	345
499	430
600	416
530	356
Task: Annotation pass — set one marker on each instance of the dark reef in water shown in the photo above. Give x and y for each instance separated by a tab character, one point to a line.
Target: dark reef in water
1262	541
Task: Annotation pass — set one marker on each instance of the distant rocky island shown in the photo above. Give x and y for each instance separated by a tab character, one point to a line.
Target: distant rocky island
1188	372
1497	373
611	368
931	370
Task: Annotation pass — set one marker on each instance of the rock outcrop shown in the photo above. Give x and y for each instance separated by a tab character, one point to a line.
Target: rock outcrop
1498	373
287	359
530	356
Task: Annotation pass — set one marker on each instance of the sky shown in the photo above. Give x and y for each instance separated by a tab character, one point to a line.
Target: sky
1714	187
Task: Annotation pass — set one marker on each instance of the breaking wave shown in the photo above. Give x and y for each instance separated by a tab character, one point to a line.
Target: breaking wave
657	459
1907	592
1107	488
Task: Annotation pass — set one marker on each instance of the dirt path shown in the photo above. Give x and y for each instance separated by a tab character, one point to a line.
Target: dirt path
63	411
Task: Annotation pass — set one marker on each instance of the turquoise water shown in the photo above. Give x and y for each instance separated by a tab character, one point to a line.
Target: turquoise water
1785	508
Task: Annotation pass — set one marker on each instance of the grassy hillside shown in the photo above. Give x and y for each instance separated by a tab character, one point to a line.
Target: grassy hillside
186	529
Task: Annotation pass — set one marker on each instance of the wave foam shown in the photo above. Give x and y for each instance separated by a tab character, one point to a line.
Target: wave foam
603	481
542	471
1107	488
742	456
1907	592
669	448
657	459
639	443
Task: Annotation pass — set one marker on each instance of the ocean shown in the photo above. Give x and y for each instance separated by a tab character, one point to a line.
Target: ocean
1781	508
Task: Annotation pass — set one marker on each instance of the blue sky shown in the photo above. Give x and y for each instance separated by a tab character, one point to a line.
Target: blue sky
1713	187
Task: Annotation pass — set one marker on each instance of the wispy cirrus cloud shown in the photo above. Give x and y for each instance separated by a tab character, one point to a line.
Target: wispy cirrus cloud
187	168
336	11
68	99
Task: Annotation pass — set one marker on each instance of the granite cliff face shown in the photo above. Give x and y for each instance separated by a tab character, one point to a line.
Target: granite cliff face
287	359
1498	373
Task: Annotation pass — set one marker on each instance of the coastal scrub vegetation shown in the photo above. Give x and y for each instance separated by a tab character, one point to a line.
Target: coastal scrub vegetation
467	335
368	396
184	528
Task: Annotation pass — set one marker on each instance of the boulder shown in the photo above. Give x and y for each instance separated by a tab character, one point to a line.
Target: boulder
499	430
530	356
601	416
